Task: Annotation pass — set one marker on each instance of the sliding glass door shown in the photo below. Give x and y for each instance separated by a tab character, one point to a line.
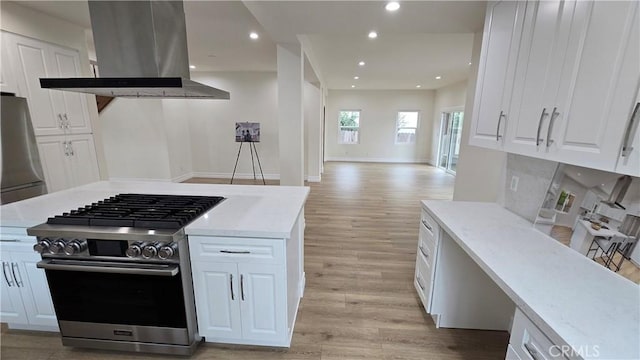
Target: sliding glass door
450	136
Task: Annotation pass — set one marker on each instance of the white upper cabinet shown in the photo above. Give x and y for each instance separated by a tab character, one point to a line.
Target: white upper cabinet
575	85
598	89
629	158
500	42
544	39
53	112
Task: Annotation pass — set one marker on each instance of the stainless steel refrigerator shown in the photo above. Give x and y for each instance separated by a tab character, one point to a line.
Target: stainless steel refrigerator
22	175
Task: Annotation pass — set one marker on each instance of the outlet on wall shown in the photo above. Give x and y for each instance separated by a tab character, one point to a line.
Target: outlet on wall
514	183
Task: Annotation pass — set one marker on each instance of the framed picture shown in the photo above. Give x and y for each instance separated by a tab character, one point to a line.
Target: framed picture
247	132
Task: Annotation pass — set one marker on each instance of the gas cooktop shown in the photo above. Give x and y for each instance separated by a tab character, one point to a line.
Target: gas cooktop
143	211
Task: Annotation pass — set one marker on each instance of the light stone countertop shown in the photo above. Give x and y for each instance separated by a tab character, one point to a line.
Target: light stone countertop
248	211
601	232
571	298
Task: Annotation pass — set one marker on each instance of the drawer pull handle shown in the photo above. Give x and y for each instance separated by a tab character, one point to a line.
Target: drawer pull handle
424	222
542	116
14	267
234	252
628	139
498	136
419	283
533	352
4	272
242	287
426	255
233	297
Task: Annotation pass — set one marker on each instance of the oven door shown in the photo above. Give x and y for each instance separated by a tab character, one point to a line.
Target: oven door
118	301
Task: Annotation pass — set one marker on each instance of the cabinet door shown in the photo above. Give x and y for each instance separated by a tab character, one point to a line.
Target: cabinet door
629	159
217	293
83	159
263	295
34	289
599	84
66	63
544	37
11	308
30	59
54	154
501	38
7	76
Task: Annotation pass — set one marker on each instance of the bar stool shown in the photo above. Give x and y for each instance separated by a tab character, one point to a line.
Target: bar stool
608	246
625	249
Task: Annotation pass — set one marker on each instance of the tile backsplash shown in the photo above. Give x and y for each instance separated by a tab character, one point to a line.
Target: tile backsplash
533	178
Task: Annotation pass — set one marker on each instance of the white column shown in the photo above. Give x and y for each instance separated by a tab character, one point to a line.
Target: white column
290	116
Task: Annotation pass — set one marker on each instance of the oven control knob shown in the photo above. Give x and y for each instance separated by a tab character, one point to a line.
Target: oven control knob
134	250
42	246
167	251
75	247
150	251
57	247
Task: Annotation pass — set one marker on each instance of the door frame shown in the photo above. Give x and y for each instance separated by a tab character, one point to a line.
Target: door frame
442	111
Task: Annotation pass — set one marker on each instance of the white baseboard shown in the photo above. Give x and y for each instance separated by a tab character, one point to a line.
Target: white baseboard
215	175
182	178
314	178
377	160
138	179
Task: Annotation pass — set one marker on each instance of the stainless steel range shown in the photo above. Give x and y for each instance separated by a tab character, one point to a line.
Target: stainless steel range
119	272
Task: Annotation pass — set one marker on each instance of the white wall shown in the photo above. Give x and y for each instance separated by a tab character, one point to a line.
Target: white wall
212	124
312	131
35	24
480	174
135	140
378	115
178	137
448	97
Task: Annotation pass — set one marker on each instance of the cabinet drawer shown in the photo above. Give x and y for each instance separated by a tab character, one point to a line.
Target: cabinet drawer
422	281
426	250
512	354
232	249
430	225
426	241
529	342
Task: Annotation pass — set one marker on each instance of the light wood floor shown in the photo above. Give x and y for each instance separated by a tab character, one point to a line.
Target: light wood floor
360	251
628	269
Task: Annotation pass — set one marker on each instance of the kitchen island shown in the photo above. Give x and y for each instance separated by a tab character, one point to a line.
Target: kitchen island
265	222
583	236
489	262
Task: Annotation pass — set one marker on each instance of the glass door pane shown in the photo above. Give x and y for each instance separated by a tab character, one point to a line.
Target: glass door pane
443	153
454	142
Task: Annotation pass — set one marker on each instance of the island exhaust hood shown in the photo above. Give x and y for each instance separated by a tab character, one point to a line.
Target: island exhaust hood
619	191
141	48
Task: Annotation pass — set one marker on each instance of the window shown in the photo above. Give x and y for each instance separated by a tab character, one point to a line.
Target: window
565	201
406	127
349	122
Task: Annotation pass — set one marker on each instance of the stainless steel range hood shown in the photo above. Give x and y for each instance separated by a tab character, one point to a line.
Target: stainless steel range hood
619	191
141	48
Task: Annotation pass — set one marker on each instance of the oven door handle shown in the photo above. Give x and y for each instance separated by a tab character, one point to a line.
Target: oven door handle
109	267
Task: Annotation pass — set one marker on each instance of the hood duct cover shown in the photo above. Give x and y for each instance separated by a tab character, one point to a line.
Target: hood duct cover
619	191
141	48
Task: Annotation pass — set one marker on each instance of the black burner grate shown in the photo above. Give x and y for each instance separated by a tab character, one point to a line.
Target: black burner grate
140	211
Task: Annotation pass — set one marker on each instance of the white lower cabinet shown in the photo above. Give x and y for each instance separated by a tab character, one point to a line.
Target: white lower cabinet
26	300
529	342
426	258
68	161
240	290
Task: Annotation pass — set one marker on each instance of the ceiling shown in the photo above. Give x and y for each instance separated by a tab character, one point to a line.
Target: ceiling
422	40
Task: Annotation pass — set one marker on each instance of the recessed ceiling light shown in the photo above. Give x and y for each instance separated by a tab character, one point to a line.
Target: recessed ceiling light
579	174
392	6
438	77
361	63
373	35
353	86
356	77
602	184
254	35
192	66
469	62
418	86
